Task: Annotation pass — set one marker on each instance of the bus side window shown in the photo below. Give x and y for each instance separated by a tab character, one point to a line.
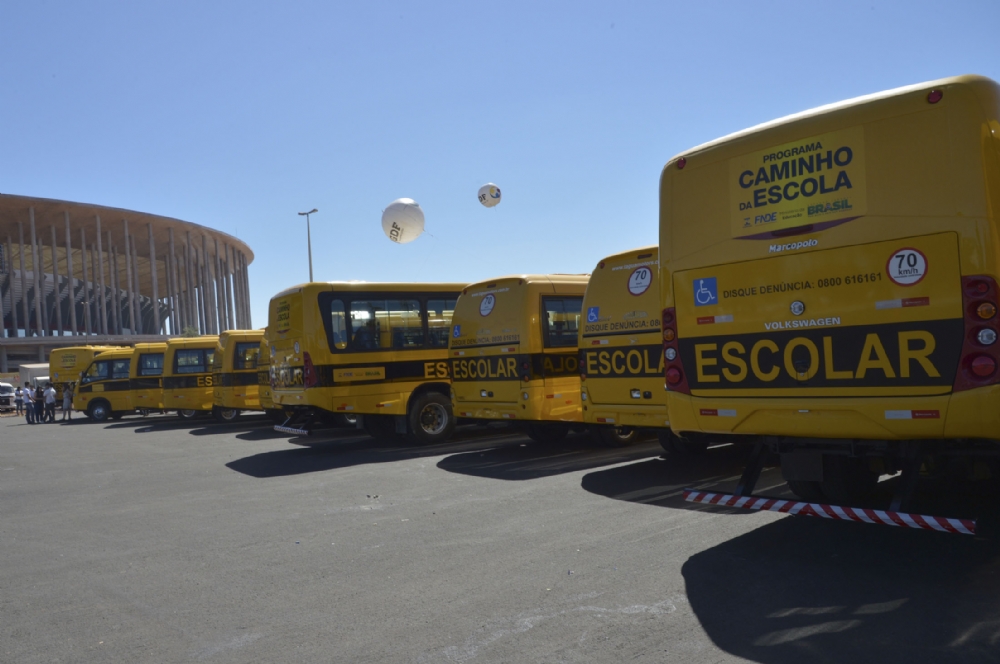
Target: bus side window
97	371
119	368
439	314
338	325
562	321
151	364
189	361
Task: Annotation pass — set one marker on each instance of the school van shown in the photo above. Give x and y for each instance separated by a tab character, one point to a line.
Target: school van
829	280
514	354
378	351
621	349
187	375
234	374
66	364
104	390
146	376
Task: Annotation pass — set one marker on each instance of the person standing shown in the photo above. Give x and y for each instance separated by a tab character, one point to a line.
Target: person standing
19	400
39	404
49	414
29	403
68	402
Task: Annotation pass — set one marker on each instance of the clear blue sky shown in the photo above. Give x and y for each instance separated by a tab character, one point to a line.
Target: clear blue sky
237	115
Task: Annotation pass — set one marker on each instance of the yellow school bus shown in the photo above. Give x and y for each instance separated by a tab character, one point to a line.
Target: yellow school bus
829	280
66	364
234	374
145	376
264	382
187	375
514	353
104	390
621	350
374	350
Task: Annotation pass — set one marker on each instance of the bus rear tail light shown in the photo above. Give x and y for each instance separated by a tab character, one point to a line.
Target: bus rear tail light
980	354
673	369
525	371
309	376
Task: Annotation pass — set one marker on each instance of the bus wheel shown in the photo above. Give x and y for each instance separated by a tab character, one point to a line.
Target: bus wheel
187	414
847	479
617	436
99	411
380	427
225	414
431	419
683	445
547	432
806	490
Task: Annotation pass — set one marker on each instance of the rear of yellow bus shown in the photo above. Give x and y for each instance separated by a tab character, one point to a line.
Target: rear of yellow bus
234	374
830	279
146	376
621	354
513	352
377	350
187	375
104	390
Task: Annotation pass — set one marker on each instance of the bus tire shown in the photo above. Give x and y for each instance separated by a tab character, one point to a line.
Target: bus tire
430	419
187	414
225	414
847	479
681	445
380	427
807	490
547	432
616	436
99	410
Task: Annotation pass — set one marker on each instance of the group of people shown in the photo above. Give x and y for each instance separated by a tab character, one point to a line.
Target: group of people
38	404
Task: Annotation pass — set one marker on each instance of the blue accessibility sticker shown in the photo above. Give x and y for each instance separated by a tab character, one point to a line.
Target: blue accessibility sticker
457	332
593	314
705	292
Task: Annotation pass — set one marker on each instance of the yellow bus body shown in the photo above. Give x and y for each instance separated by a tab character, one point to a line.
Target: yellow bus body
66	364
332	353
621	350
513	349
234	375
146	376
104	390
823	272
187	375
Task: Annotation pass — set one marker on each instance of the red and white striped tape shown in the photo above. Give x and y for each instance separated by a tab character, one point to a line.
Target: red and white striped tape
959	526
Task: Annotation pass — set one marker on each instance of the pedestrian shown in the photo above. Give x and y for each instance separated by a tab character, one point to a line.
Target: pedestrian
50	403
68	402
39	404
29	403
19	400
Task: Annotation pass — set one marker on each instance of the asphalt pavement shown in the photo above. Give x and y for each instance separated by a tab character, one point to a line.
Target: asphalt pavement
155	540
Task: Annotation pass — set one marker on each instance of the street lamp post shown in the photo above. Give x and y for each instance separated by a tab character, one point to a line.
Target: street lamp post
309	240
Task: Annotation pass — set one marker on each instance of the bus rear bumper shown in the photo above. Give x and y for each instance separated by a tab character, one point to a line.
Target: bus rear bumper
626	415
968	414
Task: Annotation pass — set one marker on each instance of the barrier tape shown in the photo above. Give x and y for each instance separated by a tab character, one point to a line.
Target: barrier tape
291	431
920	521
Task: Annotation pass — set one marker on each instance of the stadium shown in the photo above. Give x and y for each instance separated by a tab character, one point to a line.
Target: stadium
77	273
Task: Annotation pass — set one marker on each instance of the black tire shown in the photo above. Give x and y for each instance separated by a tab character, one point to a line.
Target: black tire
188	414
613	436
430	419
847	480
688	445
99	410
547	432
225	415
380	427
808	491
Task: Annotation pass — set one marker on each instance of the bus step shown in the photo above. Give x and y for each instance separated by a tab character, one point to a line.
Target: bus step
291	430
798	508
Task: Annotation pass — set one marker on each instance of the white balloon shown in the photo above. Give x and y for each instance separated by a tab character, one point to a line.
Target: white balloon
403	220
489	195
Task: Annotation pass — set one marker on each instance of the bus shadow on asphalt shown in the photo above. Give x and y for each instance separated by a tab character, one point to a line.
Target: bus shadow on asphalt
525	459
662	481
342	448
803	589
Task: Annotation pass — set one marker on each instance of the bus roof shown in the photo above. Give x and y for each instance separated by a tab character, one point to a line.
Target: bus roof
536	278
371	286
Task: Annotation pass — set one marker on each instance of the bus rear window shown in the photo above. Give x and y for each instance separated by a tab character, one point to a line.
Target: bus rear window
246	355
562	321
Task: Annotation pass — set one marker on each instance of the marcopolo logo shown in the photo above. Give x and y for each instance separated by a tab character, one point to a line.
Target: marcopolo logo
792	246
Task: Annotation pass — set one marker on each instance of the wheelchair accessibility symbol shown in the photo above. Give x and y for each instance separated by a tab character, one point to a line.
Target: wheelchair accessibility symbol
705	292
593	314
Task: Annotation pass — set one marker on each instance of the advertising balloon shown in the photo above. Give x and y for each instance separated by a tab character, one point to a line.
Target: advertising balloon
403	220
489	195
